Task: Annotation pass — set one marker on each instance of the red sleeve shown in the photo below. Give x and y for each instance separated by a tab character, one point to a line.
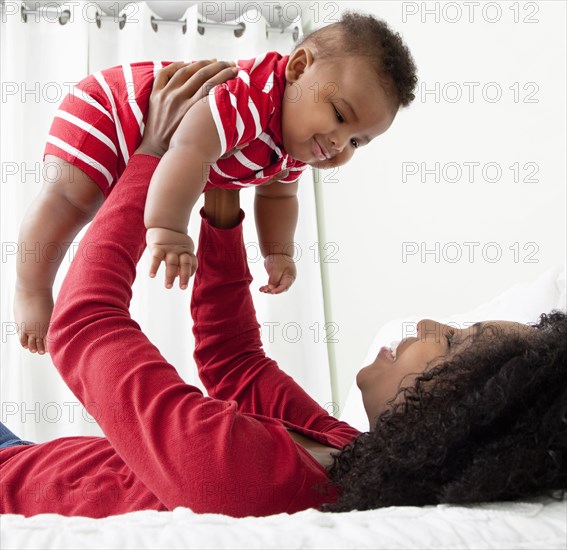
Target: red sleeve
228	348
241	111
187	449
101	121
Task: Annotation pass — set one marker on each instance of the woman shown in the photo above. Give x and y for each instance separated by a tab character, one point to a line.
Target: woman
482	408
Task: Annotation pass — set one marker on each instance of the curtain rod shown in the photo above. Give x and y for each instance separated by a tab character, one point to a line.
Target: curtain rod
64	16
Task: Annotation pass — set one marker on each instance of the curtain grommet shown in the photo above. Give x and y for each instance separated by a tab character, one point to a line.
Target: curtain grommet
64	16
156	21
101	17
294	31
237	28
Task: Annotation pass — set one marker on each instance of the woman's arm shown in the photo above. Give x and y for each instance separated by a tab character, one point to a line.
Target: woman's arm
228	351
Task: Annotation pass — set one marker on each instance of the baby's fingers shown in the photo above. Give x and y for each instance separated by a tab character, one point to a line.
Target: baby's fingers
157	258
171	268
266	289
187	268
277	287
285	282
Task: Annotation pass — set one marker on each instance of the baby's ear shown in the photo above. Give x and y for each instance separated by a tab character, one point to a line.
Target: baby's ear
298	61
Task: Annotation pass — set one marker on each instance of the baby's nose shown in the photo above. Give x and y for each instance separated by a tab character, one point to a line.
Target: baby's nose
339	141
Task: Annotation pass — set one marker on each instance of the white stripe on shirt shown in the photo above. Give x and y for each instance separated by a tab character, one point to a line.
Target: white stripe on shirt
269	83
89	128
258	61
119	132
136	111
218	121
80	155
239	121
255	115
157	68
246	162
81	94
267	139
220	172
244	76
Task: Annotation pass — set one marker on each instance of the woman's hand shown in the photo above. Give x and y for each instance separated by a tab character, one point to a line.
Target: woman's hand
176	88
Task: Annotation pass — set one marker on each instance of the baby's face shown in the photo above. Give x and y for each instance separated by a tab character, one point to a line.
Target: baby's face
332	107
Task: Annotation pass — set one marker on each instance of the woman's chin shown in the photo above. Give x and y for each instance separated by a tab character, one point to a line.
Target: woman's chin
364	375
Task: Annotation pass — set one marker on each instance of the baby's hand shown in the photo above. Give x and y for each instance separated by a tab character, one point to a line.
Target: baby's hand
176	250
282	272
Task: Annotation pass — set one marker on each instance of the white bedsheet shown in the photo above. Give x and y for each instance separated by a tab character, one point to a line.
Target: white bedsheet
521	525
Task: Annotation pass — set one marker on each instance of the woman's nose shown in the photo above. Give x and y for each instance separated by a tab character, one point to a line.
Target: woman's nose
429	329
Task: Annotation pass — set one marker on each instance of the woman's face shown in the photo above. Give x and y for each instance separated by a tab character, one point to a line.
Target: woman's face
433	343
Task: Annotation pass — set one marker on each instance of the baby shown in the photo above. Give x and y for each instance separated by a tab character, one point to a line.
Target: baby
339	89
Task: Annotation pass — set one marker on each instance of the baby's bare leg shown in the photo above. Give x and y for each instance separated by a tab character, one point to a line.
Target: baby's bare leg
64	206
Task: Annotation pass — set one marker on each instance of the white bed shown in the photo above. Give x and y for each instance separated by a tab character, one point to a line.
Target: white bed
529	526
538	524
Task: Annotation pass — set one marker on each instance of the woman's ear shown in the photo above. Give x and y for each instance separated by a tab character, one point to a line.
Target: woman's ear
298	61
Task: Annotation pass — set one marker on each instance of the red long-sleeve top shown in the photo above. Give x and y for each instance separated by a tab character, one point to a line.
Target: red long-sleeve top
166	444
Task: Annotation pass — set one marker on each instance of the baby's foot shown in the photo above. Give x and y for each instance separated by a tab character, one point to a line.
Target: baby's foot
32	310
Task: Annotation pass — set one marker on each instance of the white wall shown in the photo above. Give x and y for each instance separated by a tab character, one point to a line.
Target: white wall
370	211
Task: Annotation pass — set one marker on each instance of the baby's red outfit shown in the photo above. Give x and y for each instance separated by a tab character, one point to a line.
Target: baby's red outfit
100	123
166	444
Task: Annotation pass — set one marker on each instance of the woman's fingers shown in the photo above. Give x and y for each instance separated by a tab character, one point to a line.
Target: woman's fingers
166	73
187	71
201	83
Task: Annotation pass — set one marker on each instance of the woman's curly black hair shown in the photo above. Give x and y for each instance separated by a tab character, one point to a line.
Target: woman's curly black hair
361	35
489	423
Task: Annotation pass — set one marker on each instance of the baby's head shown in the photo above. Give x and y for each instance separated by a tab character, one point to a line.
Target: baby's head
345	84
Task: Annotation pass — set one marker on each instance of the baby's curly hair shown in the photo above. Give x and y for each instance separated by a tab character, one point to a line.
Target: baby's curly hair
362	35
488	424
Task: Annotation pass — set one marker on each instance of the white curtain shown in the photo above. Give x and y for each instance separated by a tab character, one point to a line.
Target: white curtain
39	61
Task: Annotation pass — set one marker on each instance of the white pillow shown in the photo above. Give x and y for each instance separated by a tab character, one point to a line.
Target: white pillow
523	303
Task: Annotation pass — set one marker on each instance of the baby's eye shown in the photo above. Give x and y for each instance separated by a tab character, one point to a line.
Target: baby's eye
339	116
354	143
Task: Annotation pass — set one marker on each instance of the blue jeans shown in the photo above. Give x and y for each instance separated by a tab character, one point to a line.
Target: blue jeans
9	439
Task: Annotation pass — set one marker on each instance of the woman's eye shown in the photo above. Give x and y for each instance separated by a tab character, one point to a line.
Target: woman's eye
339	116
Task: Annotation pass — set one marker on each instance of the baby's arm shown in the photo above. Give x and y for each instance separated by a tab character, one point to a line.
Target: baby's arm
275	210
175	187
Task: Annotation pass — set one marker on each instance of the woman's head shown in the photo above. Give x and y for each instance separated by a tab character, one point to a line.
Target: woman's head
484	420
434	343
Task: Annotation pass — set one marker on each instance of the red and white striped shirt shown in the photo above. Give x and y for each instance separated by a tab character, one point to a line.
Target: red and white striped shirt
100	123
